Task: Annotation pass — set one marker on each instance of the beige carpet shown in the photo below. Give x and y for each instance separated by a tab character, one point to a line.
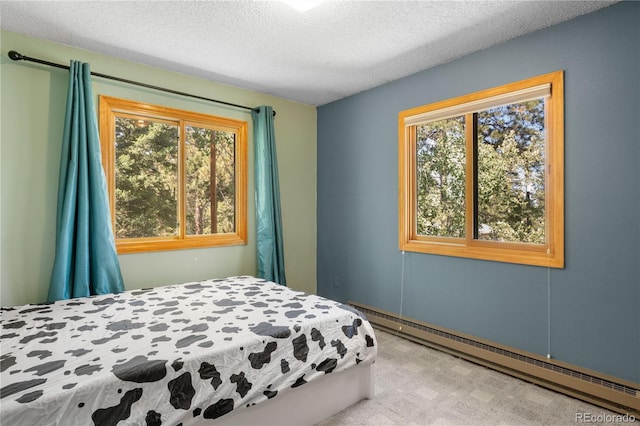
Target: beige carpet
417	385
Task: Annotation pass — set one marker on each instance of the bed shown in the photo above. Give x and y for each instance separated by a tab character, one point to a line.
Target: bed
238	350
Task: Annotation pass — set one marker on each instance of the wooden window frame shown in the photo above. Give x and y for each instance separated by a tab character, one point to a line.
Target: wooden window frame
111	107
549	254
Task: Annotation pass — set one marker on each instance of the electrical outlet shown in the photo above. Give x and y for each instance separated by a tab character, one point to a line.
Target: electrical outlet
335	280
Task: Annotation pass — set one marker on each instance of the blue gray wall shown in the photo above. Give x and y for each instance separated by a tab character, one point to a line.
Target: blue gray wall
594	313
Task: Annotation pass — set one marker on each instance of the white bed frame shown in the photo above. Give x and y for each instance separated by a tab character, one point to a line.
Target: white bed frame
310	403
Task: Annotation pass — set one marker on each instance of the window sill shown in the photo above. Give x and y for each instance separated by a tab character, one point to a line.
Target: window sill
143	245
524	254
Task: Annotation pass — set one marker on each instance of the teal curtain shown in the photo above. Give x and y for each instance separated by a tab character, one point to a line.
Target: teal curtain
85	262
267	191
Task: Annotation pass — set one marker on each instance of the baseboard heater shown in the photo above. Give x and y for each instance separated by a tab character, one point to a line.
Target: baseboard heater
612	393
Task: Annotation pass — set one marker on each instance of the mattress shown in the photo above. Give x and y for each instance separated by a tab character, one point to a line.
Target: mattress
173	354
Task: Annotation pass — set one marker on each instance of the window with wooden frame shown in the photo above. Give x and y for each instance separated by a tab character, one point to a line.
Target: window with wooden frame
482	175
176	179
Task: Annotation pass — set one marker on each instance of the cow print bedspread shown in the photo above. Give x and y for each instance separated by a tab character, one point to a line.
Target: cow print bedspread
171	354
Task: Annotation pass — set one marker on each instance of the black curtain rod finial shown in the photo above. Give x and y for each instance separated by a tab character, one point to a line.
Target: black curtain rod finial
20	57
15	55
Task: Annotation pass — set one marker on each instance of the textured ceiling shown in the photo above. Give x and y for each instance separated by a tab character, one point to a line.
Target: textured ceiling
337	49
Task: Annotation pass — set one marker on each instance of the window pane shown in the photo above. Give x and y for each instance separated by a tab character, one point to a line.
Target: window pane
210	181
146	156
511	161
440	180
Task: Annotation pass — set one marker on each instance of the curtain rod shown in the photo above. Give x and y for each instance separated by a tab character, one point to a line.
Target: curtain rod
20	57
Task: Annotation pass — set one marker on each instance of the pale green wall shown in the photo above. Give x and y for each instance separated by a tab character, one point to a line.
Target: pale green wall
31	121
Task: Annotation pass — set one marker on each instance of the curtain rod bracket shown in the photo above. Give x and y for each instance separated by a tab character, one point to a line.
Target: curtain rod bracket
15	56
